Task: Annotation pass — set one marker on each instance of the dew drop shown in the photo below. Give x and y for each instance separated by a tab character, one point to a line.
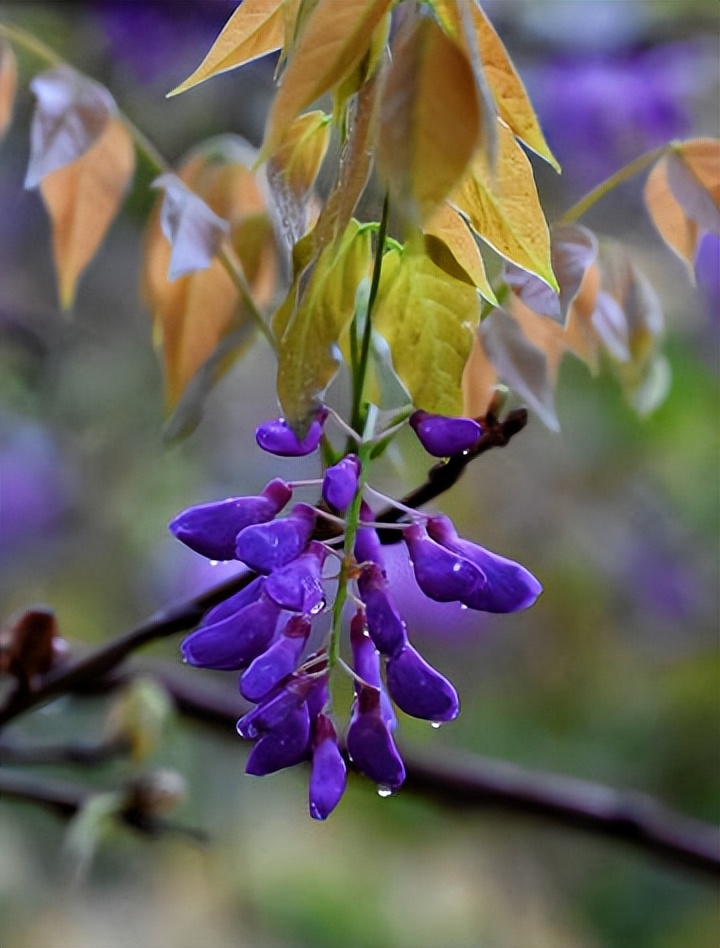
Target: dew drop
436	724
385	791
318	608
456	567
214	562
463	607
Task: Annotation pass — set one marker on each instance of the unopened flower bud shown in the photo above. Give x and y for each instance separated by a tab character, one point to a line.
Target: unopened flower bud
298	586
211	529
232	643
328	774
386	628
442	575
267	546
276	707
283	746
277	662
366	664
234	603
418	689
340	483
443	436
509	587
370	744
277	437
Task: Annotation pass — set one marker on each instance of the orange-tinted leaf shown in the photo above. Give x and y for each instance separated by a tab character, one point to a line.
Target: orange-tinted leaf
511	98
198	319
71	114
693	171
638	301
8	85
192	229
448	227
521	364
478	381
504	209
679	232
334	39
82	199
429	118
580	336
257	27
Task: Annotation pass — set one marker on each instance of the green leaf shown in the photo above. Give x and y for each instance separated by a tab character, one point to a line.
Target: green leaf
308	351
504	209
428	319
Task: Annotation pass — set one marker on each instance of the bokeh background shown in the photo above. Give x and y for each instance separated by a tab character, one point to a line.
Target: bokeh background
612	677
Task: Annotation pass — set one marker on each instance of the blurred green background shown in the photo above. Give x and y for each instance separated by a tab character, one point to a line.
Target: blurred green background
611	677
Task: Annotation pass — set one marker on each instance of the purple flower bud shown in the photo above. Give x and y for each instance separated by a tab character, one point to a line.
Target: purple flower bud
386	628
442	575
509	587
298	586
340	483
368	548
328	775
267	546
318	698
280	660
233	642
369	743
442	436
418	689
235	603
211	529
284	746
277	437
275	708
366	663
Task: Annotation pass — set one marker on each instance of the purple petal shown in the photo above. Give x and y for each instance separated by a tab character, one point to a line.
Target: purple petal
275	708
283	747
386	628
441	574
267	546
509	587
340	483
298	586
277	437
328	775
442	436
370	744
366	663
368	548
211	529
234	642
277	662
418	689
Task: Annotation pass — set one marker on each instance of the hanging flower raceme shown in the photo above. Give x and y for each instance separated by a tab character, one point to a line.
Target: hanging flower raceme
270	631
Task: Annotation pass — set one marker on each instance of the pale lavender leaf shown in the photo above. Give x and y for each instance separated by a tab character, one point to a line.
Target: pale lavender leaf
192	229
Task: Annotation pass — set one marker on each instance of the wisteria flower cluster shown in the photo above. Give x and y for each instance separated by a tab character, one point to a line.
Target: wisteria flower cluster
270	630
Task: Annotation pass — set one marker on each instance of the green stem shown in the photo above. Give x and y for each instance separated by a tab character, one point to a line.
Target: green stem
606	186
155	159
360	371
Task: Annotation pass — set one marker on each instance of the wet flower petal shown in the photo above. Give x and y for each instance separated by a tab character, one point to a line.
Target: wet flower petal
277	662
340	483
328	774
386	627
233	642
366	664
211	529
284	746
277	437
368	548
442	574
370	744
267	546
509	587
275	707
443	436
298	586
418	689
234	603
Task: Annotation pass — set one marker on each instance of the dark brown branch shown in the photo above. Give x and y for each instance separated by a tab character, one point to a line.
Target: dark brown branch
75	753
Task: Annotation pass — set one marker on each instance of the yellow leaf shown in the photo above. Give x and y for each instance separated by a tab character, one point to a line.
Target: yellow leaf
257	27
448	226
332	42
301	152
679	232
308	355
504	208
428	320
511	98
429	122
82	199
8	85
194	315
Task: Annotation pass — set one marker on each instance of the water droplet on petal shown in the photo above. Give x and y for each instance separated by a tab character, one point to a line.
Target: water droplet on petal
437	724
214	562
385	791
318	608
463	607
456	567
